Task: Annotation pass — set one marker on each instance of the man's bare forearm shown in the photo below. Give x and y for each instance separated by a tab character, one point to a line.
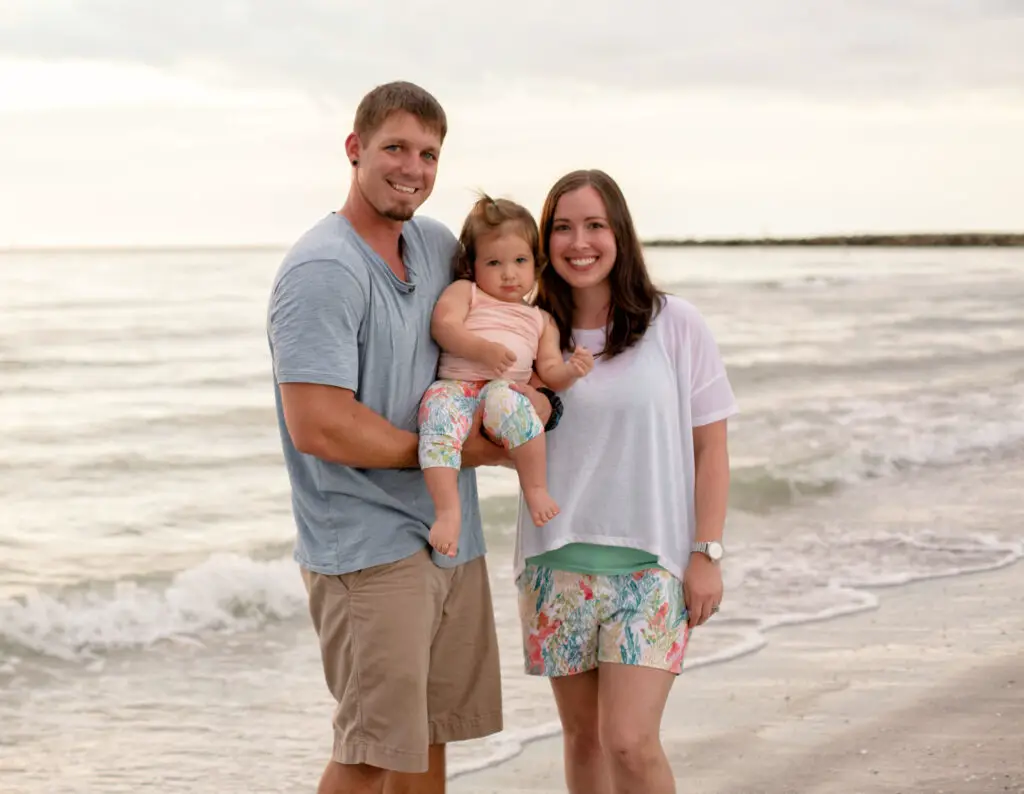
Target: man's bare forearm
712	492
358	437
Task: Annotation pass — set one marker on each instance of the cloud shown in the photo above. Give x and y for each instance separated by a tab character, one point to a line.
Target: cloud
832	49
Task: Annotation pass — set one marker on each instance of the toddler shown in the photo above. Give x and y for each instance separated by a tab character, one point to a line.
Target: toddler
491	338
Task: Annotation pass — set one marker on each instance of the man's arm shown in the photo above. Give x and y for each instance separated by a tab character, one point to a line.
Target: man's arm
331	424
479	450
316	313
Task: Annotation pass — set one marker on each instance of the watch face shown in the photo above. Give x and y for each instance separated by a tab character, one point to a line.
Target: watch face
715	550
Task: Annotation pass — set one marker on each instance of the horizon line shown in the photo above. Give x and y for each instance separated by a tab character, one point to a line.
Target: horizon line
904	238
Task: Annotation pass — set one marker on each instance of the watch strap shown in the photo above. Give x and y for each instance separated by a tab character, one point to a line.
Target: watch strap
556	408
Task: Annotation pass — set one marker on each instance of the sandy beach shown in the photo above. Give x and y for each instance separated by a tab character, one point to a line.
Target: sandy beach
921	696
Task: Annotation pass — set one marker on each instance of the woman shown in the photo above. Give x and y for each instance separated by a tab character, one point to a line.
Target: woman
640	469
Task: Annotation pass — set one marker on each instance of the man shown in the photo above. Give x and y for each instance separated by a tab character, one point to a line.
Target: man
407	636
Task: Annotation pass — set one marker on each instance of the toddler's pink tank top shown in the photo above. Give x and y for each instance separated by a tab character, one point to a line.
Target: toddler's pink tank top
515	325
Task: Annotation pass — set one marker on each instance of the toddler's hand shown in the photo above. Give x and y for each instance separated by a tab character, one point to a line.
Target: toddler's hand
498	358
581	361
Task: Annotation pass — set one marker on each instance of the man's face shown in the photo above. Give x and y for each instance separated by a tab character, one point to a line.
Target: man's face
397	166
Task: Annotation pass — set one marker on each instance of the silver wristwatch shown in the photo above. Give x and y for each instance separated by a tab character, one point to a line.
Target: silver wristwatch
711	549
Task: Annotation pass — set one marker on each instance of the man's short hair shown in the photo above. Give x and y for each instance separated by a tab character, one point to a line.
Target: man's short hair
378	105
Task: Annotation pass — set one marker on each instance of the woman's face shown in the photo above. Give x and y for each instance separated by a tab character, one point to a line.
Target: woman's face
582	247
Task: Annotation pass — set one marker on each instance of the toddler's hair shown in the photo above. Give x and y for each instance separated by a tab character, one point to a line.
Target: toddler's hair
488	216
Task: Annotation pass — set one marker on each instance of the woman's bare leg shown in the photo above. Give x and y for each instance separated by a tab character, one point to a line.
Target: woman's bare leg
631	702
577	699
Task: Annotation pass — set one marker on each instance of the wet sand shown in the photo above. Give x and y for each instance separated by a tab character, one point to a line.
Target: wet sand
923	695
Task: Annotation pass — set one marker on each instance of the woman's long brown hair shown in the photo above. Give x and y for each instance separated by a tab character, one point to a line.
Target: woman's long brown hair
634	298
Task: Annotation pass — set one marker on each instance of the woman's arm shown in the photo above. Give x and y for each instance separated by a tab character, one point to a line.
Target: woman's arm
702	585
711	456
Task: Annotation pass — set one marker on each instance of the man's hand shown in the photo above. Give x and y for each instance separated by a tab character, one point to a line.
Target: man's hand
540	403
478	450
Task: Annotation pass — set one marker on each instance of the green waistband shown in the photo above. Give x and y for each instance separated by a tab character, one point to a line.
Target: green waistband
596	560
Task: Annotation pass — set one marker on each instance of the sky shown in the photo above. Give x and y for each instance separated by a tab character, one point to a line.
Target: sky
222	122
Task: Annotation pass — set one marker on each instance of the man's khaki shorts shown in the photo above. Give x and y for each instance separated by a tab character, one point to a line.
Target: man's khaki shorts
410	654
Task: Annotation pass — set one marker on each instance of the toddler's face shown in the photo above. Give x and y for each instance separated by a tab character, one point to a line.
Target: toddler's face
504	267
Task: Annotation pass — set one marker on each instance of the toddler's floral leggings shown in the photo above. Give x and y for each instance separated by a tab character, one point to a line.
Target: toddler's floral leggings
446	415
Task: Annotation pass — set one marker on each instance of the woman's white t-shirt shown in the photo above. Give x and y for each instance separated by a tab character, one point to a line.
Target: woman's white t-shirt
620	463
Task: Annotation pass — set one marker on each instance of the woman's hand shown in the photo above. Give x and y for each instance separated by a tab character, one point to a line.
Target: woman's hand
702	589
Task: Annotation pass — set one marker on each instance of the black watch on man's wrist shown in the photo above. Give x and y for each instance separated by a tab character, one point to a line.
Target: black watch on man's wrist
556	408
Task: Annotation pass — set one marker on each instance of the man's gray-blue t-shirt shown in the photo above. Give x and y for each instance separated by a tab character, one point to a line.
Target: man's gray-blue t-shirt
339	316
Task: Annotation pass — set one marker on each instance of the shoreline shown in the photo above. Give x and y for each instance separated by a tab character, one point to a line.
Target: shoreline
940	240
887	643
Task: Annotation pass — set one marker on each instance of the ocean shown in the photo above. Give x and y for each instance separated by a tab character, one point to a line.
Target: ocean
153	627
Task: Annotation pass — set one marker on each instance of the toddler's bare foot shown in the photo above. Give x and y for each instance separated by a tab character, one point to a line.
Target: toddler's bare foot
542	507
444	534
